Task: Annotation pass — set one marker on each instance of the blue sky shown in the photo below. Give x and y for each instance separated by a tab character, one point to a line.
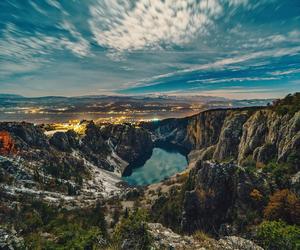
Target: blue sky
231	48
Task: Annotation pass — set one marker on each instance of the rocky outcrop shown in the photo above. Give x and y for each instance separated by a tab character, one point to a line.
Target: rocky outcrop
236	134
237	243
132	144
65	141
26	135
221	193
164	238
9	240
230	135
67	163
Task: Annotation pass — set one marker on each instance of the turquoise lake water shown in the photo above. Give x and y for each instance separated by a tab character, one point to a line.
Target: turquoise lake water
162	164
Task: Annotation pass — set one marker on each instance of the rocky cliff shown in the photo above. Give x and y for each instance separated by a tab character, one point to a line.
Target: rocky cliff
259	133
220	195
132	144
238	159
66	164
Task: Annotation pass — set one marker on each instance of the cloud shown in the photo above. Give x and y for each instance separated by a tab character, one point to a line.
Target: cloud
121	25
81	46
285	72
20	48
234	79
220	64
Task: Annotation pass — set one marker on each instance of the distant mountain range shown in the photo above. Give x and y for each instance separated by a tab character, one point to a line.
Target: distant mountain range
10	96
61	109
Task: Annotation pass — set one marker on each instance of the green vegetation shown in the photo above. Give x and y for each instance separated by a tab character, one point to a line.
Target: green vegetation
167	209
250	164
132	232
277	235
288	105
48	227
280	172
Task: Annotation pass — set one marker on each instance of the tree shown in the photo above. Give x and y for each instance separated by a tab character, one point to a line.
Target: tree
284	205
132	232
277	235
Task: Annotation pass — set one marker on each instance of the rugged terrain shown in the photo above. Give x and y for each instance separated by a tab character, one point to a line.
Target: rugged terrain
68	166
242	179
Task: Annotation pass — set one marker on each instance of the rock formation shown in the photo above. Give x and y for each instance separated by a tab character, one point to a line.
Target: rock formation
235	134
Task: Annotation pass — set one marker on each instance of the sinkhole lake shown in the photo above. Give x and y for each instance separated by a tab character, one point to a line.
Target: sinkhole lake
162	164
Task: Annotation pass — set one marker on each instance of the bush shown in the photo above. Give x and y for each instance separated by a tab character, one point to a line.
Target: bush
167	210
284	205
249	164
48	227
69	236
132	232
277	235
288	105
281	173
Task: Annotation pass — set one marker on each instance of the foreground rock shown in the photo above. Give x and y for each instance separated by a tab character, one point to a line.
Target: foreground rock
9	240
165	238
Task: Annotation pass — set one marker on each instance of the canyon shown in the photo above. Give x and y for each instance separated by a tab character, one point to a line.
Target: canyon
228	151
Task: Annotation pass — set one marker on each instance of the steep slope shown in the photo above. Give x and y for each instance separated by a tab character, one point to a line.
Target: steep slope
235	134
68	166
239	159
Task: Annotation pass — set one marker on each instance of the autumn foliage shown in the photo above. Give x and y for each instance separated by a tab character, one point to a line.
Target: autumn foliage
284	205
7	145
256	195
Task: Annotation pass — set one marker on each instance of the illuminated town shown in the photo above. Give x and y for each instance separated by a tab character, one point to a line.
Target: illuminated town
109	109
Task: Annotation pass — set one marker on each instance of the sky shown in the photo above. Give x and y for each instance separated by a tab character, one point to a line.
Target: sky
230	48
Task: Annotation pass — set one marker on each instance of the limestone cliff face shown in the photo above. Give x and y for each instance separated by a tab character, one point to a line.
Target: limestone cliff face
235	134
267	136
67	163
204	130
220	194
223	188
231	132
132	144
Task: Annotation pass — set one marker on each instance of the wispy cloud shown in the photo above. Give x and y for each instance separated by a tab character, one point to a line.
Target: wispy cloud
234	79
285	72
219	64
122	25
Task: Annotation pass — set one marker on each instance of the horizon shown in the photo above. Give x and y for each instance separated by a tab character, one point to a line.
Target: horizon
236	49
150	95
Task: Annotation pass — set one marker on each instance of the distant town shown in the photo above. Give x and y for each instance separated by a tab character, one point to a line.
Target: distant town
70	111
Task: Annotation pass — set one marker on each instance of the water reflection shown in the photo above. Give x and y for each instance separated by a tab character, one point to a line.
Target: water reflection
162	164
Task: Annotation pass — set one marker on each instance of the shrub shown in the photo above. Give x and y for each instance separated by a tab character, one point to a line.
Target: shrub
69	236
132	232
284	205
201	236
167	210
281	173
48	227
277	235
249	164
288	105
